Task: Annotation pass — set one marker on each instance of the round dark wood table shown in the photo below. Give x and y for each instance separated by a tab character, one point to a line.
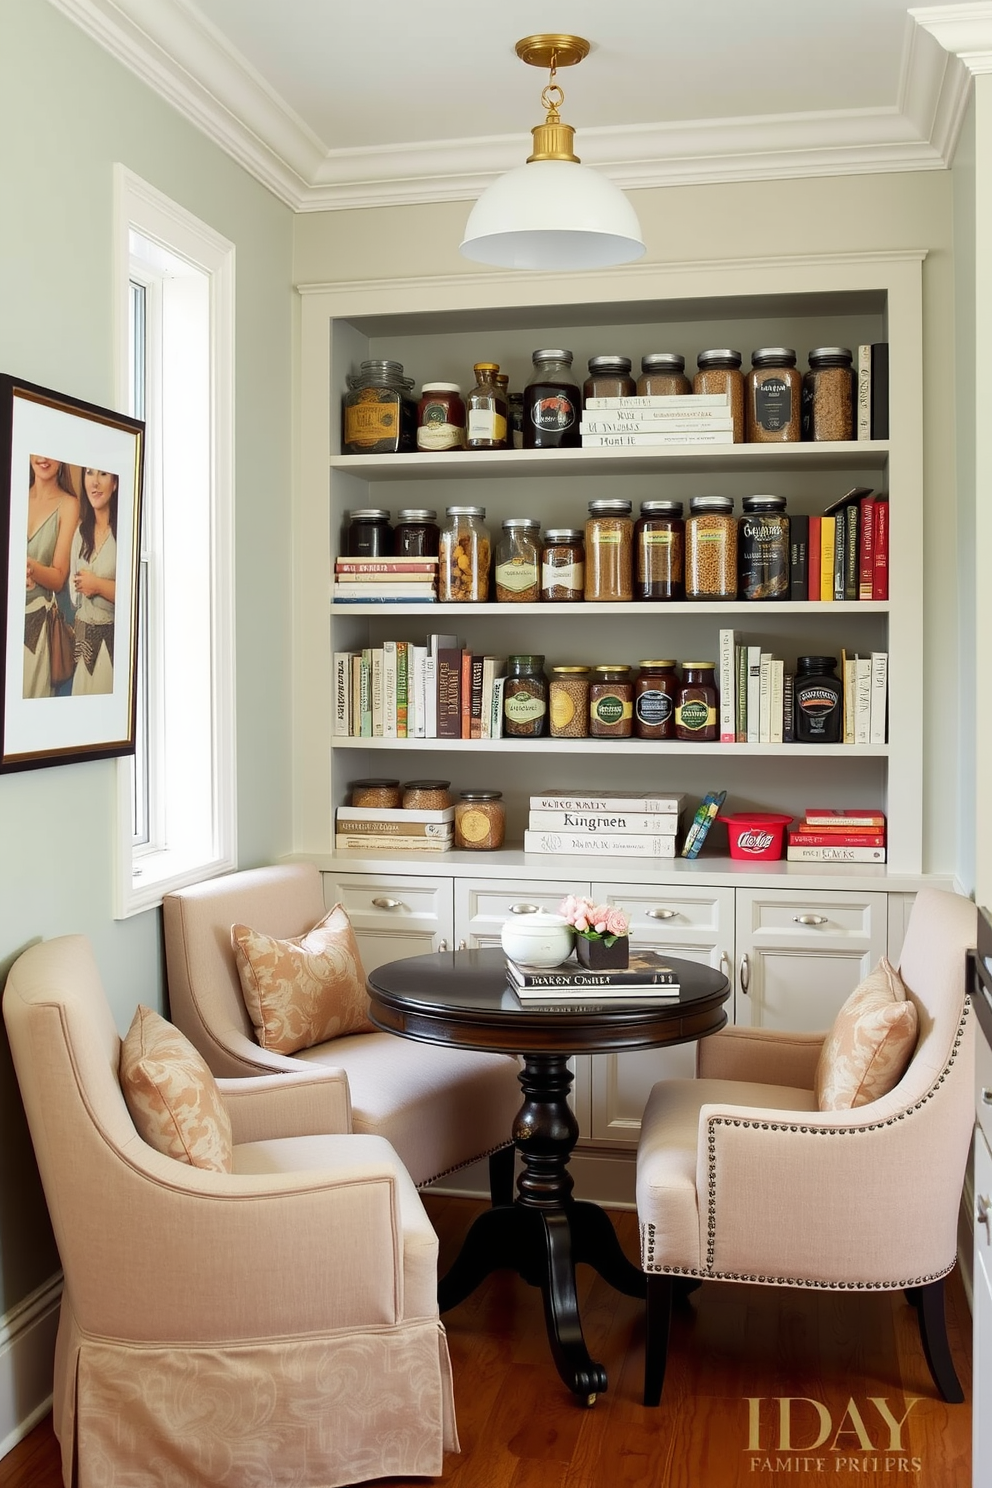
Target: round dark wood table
462	998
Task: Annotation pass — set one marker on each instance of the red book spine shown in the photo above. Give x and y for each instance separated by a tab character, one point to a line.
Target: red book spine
466	695
836	839
866	556
880	570
813	558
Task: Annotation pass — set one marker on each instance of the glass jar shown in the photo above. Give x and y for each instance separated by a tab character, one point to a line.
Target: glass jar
697	702
552	403
384	795
609	377
380	412
818	701
659	551
720	372
486	411
662	375
711	548
611	702
654	700
463	556
609	549
829	394
426	795
369	534
569	702
525	698
773	397
440	417
763	541
518	562
563	565
516	406
502	380
416	533
480	820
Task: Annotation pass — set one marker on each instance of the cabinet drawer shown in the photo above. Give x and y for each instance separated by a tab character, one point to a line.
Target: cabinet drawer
816	918
658	914
983	1084
481	905
393	917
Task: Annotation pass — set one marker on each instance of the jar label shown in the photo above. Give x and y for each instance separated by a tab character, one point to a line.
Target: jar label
773	404
654	708
438	435
695	715
370	420
486	423
663	539
524	707
474	825
567	576
516	575
562	708
553	414
817	701
710	535
610	709
607	539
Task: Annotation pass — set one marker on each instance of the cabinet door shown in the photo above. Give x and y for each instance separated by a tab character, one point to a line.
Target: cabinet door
394	917
481	906
800	954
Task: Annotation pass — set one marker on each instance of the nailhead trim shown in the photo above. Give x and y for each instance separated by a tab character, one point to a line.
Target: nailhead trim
466	1164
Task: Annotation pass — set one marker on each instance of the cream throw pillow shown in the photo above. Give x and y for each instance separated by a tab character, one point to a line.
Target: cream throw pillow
870	1045
303	991
173	1098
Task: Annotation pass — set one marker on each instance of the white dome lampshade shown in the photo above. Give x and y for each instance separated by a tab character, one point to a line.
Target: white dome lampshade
553	212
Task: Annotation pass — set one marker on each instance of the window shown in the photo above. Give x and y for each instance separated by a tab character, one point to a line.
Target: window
175	297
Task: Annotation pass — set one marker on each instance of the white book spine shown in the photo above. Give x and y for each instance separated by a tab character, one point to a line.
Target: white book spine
864	392
776	700
608	822
616	845
569	801
728	686
365	706
862	701
356	696
850	681
377	692
342	693
682	401
430	697
702	420
879	696
765	699
668	436
389	689
835	854
496	712
753	694
368	842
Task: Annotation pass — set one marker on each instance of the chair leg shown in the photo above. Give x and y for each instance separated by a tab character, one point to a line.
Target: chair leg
501	1175
658	1313
933	1332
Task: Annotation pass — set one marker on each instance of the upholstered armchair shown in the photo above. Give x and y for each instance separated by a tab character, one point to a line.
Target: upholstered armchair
440	1108
273	1323
743	1175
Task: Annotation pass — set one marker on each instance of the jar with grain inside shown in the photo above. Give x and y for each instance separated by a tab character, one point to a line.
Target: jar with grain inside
525	698
383	794
480	820
518	561
611	702
663	375
659	551
416	534
379	410
828	399
711	549
654	700
773	396
440	417
720	373
609	377
463	557
569	702
426	795
763	542
609	549
486	411
697	703
563	565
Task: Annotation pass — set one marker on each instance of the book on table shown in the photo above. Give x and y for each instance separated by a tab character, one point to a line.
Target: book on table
647	973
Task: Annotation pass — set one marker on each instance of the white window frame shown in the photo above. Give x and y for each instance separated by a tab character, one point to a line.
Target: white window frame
147	871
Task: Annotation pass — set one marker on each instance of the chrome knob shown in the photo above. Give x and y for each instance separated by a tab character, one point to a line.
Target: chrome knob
661	914
387	904
525	909
810	919
745	977
463	945
986	1096
983	1212
442	945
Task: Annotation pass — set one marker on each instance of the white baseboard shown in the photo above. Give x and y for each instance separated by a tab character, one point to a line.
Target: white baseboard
27	1354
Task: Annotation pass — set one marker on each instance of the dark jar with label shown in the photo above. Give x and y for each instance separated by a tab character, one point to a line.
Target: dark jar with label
486	411
609	377
416	534
773	396
525	698
697	702
611	702
369	534
829	394
440	417
552	403
380	411
819	706
659	551
763	548
654	700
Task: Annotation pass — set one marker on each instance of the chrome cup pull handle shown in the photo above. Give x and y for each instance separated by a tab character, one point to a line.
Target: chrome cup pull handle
986	1096
810	919
442	945
387	904
745	974
661	914
525	909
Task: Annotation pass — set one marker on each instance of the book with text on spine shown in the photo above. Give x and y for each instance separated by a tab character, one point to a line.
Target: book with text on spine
666	436
826	816
647	968
607	425
606	844
880	554
835	854
371	843
836	839
614	801
688	401
728	686
603	821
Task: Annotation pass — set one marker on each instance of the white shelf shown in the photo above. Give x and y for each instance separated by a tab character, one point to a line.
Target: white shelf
615	747
742	609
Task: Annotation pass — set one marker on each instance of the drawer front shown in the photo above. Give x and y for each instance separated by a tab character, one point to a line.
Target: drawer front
482	905
395	917
832	921
693	916
983	1083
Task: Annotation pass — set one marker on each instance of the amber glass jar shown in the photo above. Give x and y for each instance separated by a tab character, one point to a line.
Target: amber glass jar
463	557
697	704
416	533
654	700
609	575
773	397
663	374
426	795
720	372
440	417
486	411
659	551
525	698
569	705
711	548
611	702
609	377
517	569
382	794
480	820
380	411
563	565
829	394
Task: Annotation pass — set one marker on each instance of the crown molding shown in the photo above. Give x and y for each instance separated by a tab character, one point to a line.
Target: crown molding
172	48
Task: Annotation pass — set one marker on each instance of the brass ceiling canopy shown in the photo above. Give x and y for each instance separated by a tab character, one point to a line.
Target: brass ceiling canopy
548	51
553	139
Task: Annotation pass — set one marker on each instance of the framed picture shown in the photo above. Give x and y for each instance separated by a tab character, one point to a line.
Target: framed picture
69	529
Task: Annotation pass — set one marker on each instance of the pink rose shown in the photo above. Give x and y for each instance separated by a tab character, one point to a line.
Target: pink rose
617	922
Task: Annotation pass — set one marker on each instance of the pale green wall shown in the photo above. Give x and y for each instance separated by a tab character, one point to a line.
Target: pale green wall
67	113
966	434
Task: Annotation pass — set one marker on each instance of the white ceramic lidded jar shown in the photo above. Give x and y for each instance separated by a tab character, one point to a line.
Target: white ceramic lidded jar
539	939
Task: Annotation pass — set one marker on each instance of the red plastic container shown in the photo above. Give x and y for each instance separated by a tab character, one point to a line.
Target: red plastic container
756	836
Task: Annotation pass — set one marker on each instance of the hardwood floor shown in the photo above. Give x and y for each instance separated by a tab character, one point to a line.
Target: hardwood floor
847	1362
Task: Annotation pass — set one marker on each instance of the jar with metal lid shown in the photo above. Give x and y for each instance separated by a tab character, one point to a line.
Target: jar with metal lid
369	533
720	372
829	394
662	375
711	548
611	702
773	396
380	411
518	561
463	556
697	704
552	403
817	701
654	700
486	411
416	533
609	377
384	795
763	540
659	551
525	698
480	820
440	417
563	565
609	550
426	795
569	702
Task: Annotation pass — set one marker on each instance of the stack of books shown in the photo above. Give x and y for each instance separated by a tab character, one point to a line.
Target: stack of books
828	836
843	554
385	581
636	422
757	691
619	824
372	829
405	690
647	977
866	697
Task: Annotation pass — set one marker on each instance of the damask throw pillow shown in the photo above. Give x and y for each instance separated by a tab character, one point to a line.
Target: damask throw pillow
173	1098
872	1041
303	991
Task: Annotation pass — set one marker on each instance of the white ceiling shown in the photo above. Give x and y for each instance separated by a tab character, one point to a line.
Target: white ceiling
336	104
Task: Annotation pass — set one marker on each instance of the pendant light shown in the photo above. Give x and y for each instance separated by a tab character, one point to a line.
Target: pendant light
553	212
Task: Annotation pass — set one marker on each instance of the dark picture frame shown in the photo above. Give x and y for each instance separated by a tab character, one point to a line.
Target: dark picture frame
72	485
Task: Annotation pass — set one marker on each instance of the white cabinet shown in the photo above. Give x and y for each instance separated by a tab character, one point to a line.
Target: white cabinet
481	905
394	916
